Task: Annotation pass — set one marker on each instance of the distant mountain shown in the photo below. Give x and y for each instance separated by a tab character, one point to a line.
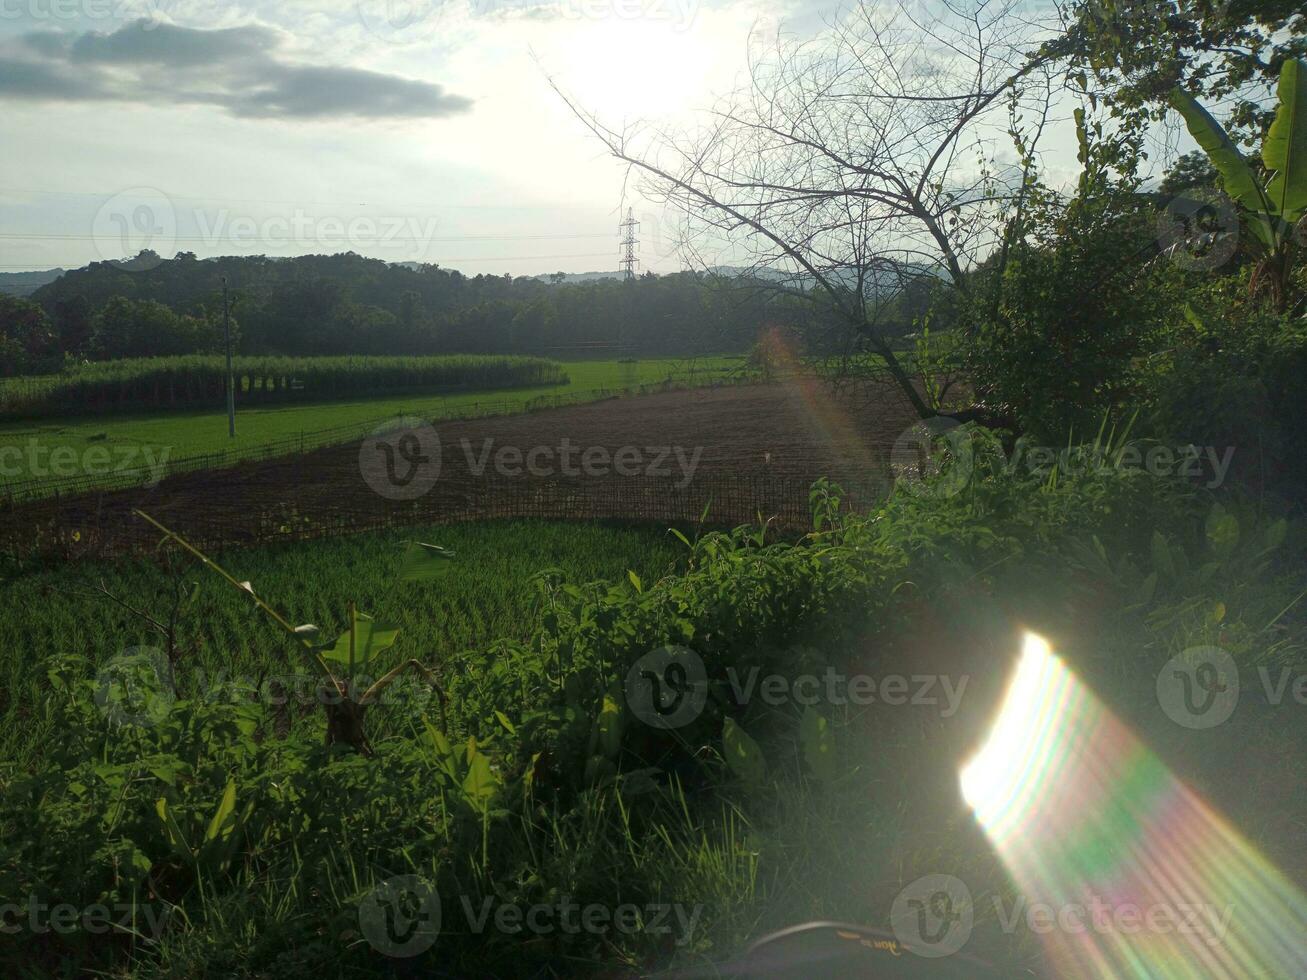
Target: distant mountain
580	276
26	283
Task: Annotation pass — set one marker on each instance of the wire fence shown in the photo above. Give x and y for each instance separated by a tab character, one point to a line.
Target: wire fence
257	509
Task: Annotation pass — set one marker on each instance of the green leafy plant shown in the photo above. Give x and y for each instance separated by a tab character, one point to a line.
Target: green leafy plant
1273	209
346	660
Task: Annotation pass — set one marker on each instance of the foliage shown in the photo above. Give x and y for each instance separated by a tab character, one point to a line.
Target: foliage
1271	211
165	383
27	339
317	305
1138	50
1061	314
125	328
547	786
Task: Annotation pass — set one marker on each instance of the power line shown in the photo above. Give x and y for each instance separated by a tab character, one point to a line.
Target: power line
325	240
319	204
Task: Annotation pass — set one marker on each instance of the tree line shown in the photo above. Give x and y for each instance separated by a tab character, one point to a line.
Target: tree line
319	305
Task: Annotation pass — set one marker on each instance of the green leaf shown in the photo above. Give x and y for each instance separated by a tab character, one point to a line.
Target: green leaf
1285	148
635	581
444	752
222	825
818	743
172	830
743	754
606	738
1222	531
1237	177
424	562
370	639
480	784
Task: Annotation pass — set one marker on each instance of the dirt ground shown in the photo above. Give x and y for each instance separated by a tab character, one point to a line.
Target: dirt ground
742	450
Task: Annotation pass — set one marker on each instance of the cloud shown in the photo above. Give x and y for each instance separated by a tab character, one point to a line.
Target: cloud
146	42
240	70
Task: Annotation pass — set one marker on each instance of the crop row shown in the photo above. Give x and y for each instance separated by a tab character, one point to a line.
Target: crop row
149	384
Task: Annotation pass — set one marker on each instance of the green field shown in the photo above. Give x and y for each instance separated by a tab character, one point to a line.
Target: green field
487	595
101	445
549	786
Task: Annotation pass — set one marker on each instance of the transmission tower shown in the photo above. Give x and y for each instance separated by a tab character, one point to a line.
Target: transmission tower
629	243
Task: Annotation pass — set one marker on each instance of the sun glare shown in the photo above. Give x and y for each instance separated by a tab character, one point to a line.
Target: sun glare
1091	824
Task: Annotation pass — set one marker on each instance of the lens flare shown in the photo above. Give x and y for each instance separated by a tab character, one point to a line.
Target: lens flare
1136	876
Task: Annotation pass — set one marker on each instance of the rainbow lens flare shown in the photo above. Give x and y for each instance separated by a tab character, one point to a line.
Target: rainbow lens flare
1133	874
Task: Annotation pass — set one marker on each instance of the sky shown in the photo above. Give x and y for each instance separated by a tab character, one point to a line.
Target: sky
408	130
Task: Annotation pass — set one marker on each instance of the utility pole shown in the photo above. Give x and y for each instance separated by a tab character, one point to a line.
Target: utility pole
231	383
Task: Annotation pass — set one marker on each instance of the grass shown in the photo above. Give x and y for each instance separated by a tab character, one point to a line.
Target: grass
486	596
98	445
547	789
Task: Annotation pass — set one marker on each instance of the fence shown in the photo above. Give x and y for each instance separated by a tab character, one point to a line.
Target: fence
257	510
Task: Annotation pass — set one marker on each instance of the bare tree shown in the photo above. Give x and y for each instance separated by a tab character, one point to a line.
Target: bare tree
851	165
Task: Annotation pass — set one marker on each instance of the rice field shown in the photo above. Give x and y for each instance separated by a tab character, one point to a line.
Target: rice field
487	595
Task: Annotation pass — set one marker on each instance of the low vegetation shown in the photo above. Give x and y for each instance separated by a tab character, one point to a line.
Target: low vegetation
179	383
148	786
